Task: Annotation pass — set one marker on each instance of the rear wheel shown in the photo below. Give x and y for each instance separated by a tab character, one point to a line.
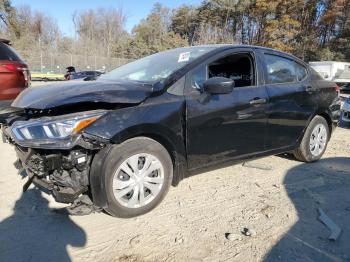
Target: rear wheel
139	175
314	142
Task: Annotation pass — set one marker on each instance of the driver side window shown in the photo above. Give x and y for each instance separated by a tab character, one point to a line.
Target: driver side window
238	67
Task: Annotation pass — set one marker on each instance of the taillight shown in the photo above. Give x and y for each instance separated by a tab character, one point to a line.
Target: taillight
337	89
11	67
14	67
25	74
22	70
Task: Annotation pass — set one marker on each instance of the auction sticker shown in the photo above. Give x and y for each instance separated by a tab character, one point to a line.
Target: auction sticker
184	57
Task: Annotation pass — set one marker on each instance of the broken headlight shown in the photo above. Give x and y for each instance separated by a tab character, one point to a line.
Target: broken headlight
58	132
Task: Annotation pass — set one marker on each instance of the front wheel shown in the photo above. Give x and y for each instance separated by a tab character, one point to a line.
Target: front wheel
314	142
139	174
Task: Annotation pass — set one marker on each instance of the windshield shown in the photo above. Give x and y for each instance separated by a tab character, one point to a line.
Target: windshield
157	67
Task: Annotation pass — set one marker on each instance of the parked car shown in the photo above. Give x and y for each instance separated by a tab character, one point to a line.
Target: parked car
14	74
344	87
125	138
338	72
346	110
83	74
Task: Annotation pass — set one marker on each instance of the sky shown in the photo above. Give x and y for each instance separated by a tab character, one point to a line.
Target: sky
63	10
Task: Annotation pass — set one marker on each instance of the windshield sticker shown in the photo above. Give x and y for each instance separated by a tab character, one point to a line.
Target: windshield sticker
184	57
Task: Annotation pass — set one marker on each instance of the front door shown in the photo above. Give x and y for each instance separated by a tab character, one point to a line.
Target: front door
225	126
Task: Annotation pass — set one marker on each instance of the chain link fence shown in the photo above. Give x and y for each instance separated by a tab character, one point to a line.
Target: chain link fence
56	63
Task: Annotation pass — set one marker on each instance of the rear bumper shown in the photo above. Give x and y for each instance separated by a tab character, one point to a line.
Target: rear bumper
5	103
346	111
334	112
345	116
10	91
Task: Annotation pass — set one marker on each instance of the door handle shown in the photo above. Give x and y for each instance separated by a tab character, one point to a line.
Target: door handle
258	101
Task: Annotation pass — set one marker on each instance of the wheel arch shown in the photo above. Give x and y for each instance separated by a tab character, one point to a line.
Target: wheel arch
303	152
172	142
328	118
323	113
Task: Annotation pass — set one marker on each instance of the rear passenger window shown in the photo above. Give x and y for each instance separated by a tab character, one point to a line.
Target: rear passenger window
283	70
7	53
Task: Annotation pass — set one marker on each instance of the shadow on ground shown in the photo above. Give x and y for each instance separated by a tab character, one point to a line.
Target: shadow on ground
324	184
37	233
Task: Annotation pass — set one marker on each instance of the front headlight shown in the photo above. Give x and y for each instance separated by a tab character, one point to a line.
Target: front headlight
58	132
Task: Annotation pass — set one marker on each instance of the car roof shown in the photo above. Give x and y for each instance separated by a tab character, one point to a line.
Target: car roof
228	46
236	46
5	41
89	71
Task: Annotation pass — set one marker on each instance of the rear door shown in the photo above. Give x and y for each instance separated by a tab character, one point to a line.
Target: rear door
293	99
225	126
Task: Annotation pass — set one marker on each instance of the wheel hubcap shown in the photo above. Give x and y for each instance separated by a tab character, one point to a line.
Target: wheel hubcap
318	140
138	180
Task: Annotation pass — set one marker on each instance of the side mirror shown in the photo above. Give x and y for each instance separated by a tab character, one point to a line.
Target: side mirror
218	85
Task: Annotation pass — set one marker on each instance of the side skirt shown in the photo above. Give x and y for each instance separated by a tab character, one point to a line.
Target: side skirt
238	160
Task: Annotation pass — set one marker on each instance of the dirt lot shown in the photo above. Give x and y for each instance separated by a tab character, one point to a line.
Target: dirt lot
276	198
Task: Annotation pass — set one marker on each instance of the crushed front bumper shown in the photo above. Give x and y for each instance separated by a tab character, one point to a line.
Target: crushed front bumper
49	188
62	173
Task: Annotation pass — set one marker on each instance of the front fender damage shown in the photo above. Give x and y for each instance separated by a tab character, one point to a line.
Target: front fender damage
74	176
62	173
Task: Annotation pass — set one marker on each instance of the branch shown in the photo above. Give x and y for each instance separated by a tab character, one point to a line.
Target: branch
3	19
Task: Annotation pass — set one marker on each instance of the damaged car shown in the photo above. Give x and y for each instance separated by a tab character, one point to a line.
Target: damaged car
119	142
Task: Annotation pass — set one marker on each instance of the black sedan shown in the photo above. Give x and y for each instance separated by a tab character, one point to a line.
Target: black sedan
119	142
83	75
344	87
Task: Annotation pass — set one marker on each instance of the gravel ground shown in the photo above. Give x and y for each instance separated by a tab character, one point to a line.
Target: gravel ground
203	219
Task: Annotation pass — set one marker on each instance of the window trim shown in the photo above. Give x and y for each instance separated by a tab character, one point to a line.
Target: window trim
284	57
306	69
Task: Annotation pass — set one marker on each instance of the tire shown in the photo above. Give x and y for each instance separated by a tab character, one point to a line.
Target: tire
120	177
304	152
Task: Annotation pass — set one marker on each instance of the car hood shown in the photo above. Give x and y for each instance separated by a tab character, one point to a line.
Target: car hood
69	93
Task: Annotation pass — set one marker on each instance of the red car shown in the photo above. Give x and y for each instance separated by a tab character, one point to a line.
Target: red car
14	73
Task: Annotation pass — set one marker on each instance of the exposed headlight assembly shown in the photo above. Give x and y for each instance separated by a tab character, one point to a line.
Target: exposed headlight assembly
59	132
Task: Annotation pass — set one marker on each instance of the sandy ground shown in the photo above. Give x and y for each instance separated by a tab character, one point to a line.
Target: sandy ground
276	198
